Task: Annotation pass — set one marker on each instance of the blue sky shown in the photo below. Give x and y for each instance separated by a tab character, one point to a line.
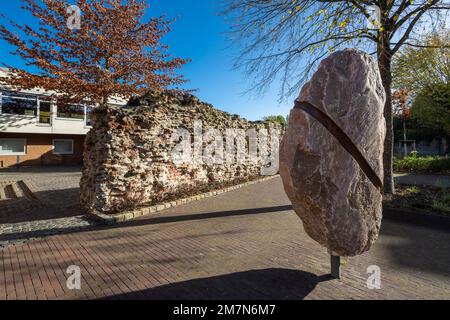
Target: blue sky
197	34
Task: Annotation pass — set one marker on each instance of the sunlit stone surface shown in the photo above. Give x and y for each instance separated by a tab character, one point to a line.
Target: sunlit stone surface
129	152
339	206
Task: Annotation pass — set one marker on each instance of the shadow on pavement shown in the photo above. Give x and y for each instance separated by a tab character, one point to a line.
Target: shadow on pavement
52	204
424	245
270	284
436	180
201	216
419	248
44	213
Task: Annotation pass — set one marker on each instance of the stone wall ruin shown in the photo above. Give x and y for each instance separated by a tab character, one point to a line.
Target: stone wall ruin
168	145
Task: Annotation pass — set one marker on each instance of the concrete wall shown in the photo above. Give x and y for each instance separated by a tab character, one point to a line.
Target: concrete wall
422	147
128	159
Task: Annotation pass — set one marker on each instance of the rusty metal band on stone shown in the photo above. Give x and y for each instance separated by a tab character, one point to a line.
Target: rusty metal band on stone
343	139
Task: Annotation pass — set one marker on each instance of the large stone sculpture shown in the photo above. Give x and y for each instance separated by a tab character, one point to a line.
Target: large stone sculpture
331	155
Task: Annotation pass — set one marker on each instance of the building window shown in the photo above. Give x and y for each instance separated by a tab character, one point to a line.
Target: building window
70	111
45	112
62	146
13	147
13	103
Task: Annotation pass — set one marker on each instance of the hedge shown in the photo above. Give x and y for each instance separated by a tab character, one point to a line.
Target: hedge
422	164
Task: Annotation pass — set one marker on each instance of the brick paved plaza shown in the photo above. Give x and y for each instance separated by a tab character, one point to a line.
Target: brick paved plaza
246	243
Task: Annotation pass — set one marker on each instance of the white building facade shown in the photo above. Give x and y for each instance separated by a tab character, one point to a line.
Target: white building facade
34	130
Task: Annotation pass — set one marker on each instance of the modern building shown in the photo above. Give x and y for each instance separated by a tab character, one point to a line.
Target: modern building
34	130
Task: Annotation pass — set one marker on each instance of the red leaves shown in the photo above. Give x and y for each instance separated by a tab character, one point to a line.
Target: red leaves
115	51
400	103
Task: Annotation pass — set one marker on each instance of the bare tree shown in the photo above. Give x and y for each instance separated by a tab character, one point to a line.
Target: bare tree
111	51
286	39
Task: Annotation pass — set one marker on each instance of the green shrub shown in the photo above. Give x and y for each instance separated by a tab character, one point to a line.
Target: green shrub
422	164
441	207
413	190
446	198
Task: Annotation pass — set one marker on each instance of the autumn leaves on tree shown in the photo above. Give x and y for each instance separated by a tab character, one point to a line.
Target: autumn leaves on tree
111	51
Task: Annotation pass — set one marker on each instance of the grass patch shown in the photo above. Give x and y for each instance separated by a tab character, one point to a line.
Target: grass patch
441	207
413	190
429	164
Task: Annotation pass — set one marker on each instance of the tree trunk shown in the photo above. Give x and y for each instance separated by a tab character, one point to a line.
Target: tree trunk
384	64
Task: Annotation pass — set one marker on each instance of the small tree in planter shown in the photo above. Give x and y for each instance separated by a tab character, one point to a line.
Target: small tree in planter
91	51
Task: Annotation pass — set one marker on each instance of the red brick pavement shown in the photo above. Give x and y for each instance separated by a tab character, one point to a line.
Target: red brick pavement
242	244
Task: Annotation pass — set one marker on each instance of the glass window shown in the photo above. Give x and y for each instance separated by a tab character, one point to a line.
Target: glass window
70	111
62	146
13	147
44	111
19	104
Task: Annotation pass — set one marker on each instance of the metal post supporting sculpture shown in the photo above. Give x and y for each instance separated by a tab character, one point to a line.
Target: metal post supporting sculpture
331	154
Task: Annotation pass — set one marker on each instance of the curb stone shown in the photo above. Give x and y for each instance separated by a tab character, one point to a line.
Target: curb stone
417	217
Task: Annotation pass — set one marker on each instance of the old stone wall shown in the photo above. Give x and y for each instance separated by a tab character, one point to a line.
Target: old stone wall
169	145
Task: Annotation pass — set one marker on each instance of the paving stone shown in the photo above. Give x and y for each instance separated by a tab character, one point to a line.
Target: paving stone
244	244
54	210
